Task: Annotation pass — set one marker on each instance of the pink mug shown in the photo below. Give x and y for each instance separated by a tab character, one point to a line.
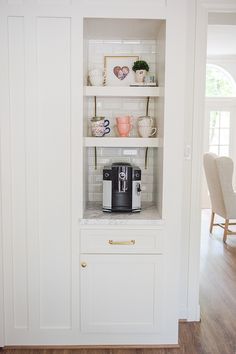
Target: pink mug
124	119
124	129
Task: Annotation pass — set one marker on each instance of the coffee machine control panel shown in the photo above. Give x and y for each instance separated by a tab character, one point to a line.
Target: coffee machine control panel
107	175
136	175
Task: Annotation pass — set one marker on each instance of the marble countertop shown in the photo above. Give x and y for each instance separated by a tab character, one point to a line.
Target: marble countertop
95	216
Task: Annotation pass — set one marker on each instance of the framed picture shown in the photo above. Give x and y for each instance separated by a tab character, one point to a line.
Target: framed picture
118	70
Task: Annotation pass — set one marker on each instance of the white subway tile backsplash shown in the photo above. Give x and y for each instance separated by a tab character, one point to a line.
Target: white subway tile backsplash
97	188
150	197
90	197
91	169
110	152
144	197
97	197
98	178
147	179
103	161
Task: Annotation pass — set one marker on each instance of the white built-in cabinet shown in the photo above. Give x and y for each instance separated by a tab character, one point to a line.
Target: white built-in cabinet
121	275
64	281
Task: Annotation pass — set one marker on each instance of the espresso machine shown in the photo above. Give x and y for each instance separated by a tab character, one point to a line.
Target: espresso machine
121	188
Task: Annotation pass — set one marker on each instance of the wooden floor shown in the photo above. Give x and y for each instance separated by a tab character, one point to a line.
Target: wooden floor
216	333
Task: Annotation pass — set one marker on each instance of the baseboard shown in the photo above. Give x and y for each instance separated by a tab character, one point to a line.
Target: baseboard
68	347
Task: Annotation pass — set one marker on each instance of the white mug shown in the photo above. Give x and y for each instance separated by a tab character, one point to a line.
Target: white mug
145	120
96	77
146	131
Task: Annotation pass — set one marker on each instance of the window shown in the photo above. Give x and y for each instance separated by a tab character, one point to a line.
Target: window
219	132
219	83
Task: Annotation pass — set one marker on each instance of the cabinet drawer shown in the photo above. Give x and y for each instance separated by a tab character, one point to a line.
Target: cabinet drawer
121	241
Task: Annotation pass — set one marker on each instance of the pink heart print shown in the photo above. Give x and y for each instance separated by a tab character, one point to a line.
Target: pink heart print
121	73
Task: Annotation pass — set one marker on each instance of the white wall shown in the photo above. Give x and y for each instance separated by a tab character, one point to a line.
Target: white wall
187	154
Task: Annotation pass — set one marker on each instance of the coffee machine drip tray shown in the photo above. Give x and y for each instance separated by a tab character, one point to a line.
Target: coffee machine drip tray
121	188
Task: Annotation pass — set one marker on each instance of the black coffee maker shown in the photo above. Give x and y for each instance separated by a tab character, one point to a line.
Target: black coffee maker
121	187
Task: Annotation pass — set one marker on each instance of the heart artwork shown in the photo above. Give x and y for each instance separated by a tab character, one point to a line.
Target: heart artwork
121	73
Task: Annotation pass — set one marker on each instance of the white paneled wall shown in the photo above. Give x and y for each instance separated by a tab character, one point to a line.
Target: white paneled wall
54	203
18	170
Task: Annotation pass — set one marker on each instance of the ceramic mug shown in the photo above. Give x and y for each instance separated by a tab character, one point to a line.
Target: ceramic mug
124	129
100	126
145	131
145	121
124	119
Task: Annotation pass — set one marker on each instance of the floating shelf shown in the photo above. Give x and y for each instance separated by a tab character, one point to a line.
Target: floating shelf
114	91
122	142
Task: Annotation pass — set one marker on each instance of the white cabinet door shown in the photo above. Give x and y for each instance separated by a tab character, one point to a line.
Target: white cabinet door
120	293
39	160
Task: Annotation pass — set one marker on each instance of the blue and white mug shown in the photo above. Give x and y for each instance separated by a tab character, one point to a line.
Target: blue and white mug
100	126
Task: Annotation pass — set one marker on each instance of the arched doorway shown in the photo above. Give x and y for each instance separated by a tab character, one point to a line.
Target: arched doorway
220	117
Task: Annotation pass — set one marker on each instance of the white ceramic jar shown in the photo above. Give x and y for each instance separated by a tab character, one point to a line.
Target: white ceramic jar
96	77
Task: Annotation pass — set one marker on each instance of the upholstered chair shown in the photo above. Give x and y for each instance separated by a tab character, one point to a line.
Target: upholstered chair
219	175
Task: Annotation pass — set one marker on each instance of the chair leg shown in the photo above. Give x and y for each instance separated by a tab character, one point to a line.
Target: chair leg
212	221
226	230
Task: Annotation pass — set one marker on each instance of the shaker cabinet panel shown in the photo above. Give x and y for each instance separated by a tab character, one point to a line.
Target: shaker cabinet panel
17	232
120	293
54	176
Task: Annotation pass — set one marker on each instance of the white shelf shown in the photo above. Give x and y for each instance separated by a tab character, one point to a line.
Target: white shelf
114	91
122	142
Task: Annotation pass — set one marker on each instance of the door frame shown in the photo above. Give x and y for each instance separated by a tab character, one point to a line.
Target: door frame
218	104
203	8
2	316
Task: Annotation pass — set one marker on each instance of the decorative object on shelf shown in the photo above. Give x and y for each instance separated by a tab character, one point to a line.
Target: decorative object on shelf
150	80
145	121
100	126
145	124
146	131
118	70
124	125
96	77
99	123
124	119
140	68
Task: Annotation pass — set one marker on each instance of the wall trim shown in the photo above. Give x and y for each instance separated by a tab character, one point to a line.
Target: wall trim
203	9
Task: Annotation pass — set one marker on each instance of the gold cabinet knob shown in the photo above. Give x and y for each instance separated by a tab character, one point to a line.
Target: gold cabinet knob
83	264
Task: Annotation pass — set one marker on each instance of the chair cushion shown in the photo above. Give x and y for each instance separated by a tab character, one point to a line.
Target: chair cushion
214	186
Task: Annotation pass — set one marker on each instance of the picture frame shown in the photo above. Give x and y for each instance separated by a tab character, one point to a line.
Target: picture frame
118	70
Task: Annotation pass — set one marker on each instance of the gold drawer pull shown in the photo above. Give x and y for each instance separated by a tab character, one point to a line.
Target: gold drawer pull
131	242
83	264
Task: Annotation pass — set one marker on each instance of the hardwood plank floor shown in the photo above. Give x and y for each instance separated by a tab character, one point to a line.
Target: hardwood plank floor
216	333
